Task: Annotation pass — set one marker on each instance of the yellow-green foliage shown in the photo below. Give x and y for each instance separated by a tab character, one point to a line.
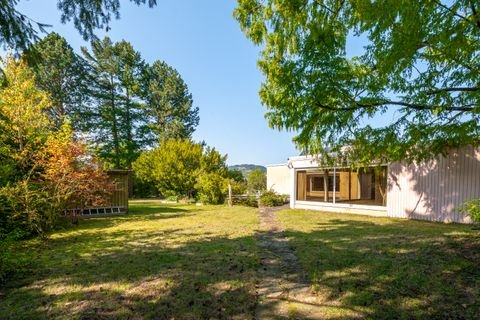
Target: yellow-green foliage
22	106
44	169
184	168
471	208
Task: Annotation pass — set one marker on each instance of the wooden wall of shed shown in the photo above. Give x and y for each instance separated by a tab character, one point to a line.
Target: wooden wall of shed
120	193
434	190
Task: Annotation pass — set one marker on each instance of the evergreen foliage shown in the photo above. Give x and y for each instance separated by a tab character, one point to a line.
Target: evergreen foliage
18	31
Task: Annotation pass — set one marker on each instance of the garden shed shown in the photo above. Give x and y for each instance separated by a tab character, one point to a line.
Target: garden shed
118	203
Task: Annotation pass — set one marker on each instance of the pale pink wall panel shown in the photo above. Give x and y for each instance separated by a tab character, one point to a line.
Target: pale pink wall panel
433	190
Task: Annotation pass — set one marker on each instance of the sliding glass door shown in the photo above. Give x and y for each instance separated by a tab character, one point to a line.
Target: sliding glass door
365	186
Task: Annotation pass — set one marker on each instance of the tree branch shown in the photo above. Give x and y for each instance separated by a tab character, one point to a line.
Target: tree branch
474	12
455	13
358	106
454	89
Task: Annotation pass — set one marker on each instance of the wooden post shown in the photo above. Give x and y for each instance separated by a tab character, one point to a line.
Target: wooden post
230	202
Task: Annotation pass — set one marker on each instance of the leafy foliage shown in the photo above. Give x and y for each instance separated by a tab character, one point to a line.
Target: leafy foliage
211	188
46	170
184	168
171	167
271	199
420	64
18	31
23	121
257	181
247	201
471	208
72	178
237	181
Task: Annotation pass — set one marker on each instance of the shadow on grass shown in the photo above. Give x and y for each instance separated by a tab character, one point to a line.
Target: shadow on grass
399	270
402	270
211	278
108	269
136	213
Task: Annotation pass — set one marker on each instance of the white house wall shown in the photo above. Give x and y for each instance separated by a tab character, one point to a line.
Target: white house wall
278	178
432	191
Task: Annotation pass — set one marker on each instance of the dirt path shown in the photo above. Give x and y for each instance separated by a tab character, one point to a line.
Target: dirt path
284	290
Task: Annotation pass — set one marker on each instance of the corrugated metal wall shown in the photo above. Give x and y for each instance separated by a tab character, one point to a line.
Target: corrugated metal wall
432	191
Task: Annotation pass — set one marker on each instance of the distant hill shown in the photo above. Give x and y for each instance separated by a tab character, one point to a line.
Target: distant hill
247	168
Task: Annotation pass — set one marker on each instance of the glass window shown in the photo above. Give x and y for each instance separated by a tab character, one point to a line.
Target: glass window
317	184
363	186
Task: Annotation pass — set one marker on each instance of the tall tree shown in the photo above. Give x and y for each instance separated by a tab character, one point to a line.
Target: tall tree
61	73
169	104
116	116
132	74
420	61
105	116
23	123
18	31
134	105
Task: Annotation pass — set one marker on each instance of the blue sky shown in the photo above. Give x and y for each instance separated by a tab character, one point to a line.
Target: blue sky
204	43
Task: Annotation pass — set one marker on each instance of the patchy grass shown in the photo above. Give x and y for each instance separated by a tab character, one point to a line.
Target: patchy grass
188	262
161	262
386	268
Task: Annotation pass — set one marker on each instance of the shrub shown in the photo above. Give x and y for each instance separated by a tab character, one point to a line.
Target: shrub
471	208
25	206
249	201
271	199
9	263
172	198
212	188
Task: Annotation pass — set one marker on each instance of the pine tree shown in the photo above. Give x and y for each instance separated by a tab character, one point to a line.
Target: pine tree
62	74
169	104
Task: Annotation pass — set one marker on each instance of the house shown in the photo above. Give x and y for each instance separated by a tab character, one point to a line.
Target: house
432	190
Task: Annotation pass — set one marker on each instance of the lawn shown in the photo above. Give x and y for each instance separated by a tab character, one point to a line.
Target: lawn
158	262
382	268
190	262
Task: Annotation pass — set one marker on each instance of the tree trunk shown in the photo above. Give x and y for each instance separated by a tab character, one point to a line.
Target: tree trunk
116	143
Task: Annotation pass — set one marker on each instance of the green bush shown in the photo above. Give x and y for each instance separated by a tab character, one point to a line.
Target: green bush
271	199
212	188
471	208
172	198
25	206
249	201
9	263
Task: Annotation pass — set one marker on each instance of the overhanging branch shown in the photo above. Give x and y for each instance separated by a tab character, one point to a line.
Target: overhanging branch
357	105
